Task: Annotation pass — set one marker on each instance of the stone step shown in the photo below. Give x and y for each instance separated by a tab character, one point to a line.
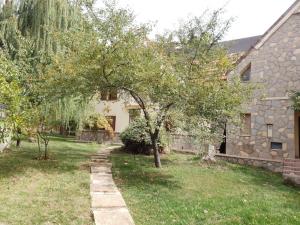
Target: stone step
291	168
100	154
101	177
297	173
99	157
96	164
291	160
107	200
100	160
294	164
101	169
113	216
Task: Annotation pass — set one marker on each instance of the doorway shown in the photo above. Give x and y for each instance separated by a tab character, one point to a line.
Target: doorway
223	144
297	135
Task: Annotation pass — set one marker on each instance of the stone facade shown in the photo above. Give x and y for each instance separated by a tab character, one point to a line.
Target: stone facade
275	69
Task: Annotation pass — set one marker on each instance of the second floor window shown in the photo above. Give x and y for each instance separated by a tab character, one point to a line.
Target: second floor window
246	74
110	95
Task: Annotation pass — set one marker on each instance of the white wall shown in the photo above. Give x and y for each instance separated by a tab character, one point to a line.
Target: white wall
117	109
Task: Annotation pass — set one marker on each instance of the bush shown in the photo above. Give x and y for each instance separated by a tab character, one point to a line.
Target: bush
137	140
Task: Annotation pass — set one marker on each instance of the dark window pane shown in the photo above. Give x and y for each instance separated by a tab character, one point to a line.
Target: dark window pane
276	145
245	76
113	95
110	95
104	95
133	114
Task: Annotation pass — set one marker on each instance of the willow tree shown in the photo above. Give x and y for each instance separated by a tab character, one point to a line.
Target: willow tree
29	31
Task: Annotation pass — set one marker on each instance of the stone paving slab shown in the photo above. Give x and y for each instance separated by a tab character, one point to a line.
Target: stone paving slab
99	176
103	188
106	161
107	200
108	205
103	164
99	157
115	216
104	180
100	169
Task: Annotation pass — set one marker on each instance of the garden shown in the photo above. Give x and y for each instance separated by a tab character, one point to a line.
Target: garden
187	191
59	58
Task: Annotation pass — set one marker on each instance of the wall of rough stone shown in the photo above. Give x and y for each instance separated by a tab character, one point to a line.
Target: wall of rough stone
275	70
97	136
272	165
183	142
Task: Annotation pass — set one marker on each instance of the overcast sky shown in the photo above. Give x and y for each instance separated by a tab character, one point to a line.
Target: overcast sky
252	17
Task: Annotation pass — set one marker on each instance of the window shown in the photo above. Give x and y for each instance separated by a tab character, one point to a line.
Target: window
276	145
246	124
110	95
245	76
270	130
112	121
133	114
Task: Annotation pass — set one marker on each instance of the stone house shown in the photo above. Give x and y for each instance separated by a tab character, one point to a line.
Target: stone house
270	127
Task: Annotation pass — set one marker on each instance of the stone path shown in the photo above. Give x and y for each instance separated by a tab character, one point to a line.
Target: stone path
108	205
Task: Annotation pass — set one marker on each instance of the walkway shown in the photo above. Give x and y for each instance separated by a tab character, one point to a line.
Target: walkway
108	205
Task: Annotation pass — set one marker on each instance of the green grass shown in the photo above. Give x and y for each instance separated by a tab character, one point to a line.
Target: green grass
186	192
46	192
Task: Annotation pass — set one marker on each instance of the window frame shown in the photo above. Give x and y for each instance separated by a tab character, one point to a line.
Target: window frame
243	125
109	95
245	70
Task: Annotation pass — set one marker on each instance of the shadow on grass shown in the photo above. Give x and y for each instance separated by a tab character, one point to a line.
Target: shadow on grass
66	157
139	171
262	177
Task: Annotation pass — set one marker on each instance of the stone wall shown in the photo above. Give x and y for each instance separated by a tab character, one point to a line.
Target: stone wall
272	165
291	171
97	136
275	70
185	143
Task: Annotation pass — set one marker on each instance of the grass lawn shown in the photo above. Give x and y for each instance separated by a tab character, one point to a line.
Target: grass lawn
46	192
186	192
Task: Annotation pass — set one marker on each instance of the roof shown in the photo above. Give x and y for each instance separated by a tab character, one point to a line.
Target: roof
240	45
293	9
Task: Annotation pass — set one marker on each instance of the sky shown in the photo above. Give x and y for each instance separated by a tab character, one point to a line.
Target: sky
251	17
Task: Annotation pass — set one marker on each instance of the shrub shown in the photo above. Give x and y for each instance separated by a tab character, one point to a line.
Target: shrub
137	140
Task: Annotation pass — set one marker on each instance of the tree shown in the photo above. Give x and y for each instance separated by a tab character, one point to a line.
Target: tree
12	101
179	77
28	38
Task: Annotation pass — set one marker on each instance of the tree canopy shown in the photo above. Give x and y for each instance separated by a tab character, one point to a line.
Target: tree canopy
180	77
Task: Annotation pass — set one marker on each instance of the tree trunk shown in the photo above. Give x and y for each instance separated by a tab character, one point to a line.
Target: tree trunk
19	132
39	146
18	142
46	150
157	158
156	152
